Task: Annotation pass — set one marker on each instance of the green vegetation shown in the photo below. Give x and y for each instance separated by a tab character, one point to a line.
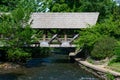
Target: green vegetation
103	48
16	33
15	29
117	52
8	5
102	39
92	39
114	66
110	76
17	55
105	7
99	41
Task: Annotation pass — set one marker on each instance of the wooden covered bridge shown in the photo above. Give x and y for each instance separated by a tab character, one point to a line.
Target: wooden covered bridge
64	24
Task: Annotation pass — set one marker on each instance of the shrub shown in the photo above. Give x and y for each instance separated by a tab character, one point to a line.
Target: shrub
110	76
103	48
17	55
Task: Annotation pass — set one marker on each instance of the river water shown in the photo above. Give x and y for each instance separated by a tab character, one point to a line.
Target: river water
54	67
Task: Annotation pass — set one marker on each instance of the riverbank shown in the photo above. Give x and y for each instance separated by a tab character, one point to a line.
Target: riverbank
99	70
8	67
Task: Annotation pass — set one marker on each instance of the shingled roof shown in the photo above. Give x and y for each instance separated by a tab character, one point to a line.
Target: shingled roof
63	20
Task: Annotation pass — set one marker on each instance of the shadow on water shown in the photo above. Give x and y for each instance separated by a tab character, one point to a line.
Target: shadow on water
40	62
61	61
37	62
9	76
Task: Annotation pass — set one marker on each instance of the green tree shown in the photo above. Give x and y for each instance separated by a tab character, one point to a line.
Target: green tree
104	7
8	5
37	5
92	37
16	32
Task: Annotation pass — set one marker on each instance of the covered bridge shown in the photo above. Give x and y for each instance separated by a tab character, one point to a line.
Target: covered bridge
64	22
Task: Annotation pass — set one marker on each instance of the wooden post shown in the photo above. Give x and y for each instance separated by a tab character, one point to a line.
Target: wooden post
65	37
44	35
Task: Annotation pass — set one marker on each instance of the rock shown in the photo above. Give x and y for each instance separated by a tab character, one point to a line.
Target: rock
7	66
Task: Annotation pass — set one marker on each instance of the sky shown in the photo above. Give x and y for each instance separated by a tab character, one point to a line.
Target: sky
118	2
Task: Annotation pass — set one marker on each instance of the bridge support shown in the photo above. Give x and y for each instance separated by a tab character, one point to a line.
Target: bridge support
72	57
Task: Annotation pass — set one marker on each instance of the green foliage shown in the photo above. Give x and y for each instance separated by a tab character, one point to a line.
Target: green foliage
117	53
42	5
94	38
104	7
114	66
8	5
88	37
110	76
103	48
16	33
60	7
33	5
92	34
17	55
109	27
15	29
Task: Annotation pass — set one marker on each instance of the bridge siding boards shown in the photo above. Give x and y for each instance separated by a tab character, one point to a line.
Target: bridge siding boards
63	20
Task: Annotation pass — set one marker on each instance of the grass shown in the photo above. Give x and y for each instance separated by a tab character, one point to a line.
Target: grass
97	62
115	66
90	60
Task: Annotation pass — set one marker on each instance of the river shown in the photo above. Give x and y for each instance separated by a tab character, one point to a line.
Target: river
54	67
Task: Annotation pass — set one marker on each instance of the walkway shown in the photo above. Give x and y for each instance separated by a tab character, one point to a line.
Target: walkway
100	68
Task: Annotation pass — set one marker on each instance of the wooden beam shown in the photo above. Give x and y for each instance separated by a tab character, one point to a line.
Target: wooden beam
52	38
74	38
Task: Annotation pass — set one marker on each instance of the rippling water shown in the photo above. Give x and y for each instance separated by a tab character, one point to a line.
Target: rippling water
55	67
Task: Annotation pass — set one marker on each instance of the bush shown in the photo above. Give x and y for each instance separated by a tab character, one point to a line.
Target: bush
17	55
103	48
110	76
